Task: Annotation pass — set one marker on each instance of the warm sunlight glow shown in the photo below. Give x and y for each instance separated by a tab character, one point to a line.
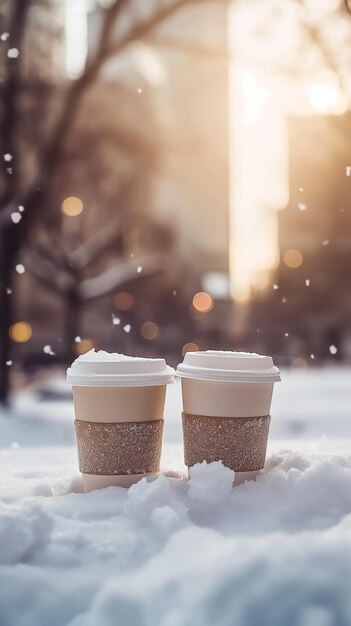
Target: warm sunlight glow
293	258
327	98
123	301
202	302
259	180
72	206
20	332
76	37
149	330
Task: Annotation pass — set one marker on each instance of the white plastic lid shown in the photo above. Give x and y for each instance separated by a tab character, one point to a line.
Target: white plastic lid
105	369
228	366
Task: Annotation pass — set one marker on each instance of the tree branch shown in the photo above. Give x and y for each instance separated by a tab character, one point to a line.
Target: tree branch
47	272
122	273
91	249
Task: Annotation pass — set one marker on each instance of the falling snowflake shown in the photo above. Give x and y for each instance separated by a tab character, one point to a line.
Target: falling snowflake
333	349
20	208
131	255
127	328
348	170
8	291
174	292
312	356
77	339
48	350
326	242
301	189
4	36
15	445
13	53
302	206
8	157
275	286
284	300
286	335
115	320
139	269
307	282
16	217
140	90
8	363
9	170
20	269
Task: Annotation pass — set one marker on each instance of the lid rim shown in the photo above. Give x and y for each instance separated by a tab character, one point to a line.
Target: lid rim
236	378
113	381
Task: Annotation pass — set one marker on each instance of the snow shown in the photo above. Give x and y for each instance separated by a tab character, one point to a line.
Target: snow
173	552
102	356
20	269
13	53
16	217
48	350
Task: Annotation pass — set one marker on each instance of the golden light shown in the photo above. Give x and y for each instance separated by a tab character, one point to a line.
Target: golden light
123	301
190	347
149	330
84	346
325	98
203	302
258	177
20	332
72	206
293	258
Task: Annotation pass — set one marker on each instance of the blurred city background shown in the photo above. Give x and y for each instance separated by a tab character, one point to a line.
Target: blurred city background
175	175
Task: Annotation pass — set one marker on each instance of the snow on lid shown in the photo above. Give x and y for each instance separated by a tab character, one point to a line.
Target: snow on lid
107	369
229	366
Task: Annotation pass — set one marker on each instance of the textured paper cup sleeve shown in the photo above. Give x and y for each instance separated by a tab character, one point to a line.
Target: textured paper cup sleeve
239	442
119	448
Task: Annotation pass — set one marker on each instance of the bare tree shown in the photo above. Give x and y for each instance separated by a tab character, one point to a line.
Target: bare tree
123	23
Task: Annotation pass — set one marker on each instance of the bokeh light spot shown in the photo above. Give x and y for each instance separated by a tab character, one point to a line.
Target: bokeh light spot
72	206
149	330
293	258
202	302
20	332
84	346
123	301
299	363
190	347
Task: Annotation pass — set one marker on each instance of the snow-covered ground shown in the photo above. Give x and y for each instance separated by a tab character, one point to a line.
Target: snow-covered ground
275	552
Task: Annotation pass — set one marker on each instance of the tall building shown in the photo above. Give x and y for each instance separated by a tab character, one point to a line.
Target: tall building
309	307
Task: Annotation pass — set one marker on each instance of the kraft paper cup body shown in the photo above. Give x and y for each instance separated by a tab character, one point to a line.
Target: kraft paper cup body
119	405
226	399
226	409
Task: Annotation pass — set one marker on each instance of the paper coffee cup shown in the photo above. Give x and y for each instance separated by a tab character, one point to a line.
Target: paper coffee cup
119	403
226	408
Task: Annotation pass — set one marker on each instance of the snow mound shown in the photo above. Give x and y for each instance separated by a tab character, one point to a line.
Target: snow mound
275	552
102	355
24	530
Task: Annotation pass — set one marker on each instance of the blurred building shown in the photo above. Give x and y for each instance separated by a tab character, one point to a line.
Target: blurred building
308	308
